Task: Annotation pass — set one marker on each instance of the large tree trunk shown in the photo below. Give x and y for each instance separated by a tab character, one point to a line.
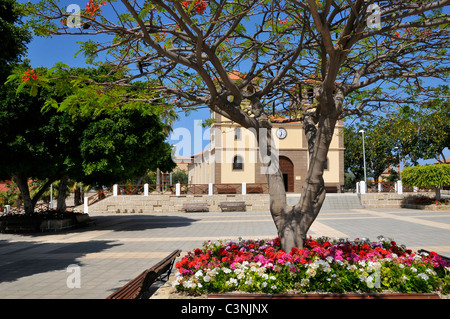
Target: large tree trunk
293	222
22	184
28	202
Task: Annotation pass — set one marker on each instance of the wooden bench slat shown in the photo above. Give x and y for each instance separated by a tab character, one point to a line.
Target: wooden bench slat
137	287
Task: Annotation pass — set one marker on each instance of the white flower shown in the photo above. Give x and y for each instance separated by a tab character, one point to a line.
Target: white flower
212	272
273	287
403	279
352	267
413	269
430	271
330	259
232	281
304	282
199	285
199	273
189	284
311	272
264	284
423	276
207	278
401	266
265	276
226	270
272	278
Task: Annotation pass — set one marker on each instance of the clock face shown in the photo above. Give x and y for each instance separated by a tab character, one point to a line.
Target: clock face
281	133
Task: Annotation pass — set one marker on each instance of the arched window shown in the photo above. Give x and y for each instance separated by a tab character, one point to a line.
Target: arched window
238	163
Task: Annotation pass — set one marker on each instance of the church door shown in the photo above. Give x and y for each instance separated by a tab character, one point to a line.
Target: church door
287	169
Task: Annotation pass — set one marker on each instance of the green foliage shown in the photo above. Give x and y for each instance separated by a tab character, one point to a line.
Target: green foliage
379	147
180	176
423	132
13	37
106	147
427	176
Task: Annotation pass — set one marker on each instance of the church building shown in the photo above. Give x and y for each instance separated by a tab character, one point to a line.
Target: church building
233	156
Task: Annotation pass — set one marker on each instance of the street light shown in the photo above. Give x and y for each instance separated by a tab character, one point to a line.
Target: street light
364	155
398	157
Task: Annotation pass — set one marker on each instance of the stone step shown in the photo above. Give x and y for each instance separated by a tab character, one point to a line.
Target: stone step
333	201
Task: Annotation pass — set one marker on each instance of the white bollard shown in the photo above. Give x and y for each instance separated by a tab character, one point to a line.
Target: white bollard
145	189
363	187
86	207
244	188
177	189
400	187
115	190
210	189
357	188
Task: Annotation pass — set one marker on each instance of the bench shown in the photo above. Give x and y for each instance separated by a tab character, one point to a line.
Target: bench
196	207
138	288
232	206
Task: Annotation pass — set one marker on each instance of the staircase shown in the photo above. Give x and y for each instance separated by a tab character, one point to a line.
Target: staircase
342	201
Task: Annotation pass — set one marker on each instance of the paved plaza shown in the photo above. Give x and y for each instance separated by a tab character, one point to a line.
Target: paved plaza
121	246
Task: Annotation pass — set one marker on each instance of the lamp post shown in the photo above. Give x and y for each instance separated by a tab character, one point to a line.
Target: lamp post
364	156
398	157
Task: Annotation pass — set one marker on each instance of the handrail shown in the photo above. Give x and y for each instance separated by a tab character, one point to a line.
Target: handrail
100	195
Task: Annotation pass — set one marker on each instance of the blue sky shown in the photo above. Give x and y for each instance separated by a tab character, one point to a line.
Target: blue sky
47	51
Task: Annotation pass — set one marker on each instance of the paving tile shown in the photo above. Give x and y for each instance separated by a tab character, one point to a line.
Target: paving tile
120	247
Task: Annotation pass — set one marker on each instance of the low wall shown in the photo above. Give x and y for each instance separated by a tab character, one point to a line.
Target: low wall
171	203
389	200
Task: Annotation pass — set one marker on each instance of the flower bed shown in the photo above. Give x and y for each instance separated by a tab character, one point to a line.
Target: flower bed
423	200
323	265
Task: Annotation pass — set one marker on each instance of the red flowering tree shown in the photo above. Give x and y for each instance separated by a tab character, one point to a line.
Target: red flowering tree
336	44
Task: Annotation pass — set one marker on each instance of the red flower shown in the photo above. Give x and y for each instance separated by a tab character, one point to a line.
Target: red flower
198	251
365	246
93	6
199	6
28	74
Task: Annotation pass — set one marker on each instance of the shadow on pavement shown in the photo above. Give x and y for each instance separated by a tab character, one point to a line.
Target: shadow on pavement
22	259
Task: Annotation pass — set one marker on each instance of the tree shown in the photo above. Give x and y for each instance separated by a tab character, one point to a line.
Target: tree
98	150
13	37
434	176
180	176
380	142
423	133
191	48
